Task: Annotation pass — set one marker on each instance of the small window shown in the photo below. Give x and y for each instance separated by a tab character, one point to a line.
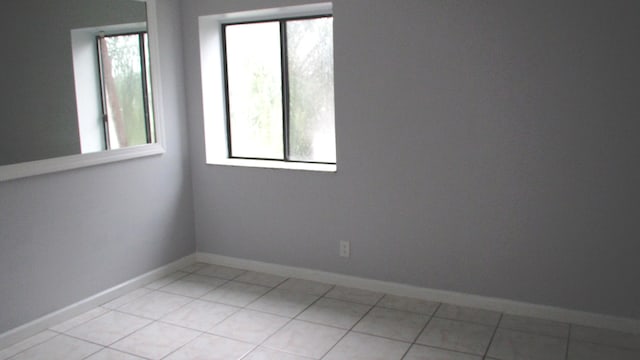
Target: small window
125	88
279	89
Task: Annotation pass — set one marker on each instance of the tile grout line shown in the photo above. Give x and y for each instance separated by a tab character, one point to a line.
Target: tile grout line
272	286
289	320
530	332
81	323
566	354
468	321
609	345
126	352
292	318
205	332
182	346
421	330
95	352
246	307
495	330
352	327
58	334
449	350
115	309
159	320
350	330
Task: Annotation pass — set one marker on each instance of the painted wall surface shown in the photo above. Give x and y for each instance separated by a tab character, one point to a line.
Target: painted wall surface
488	147
38	102
70	235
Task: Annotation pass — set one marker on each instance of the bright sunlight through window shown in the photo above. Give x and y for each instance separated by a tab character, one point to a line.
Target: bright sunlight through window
279	89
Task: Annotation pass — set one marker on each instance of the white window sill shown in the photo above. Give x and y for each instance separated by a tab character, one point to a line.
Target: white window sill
271	164
47	166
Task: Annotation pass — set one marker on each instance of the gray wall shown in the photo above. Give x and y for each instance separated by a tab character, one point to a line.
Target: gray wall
70	235
38	102
488	147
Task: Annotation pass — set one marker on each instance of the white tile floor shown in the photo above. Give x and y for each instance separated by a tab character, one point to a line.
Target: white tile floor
214	312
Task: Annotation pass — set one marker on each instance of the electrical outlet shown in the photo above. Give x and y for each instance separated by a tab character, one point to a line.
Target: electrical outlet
345	249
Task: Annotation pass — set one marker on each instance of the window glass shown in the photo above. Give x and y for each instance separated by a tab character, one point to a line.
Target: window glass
279	79
151	116
255	90
124	91
311	104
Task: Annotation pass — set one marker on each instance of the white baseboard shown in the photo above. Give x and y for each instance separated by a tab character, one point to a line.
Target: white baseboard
31	328
451	297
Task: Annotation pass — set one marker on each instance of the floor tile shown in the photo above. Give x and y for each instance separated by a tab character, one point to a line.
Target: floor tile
211	347
110	354
166	280
534	326
155	305
222	272
409	304
457	336
262	353
127	298
334	312
61	347
200	315
283	302
305	339
420	352
605	337
108	328
193	285
356	346
393	324
354	295
26	344
262	279
236	293
462	313
517	345
194	267
80	319
579	350
156	340
159	321
210	280
305	286
249	326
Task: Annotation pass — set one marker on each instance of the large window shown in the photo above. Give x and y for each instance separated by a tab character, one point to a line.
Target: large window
125	90
279	89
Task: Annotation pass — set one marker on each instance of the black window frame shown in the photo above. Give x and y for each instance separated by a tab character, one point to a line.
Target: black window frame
284	73
143	38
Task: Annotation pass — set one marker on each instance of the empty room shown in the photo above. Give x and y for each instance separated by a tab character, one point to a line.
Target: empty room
309	179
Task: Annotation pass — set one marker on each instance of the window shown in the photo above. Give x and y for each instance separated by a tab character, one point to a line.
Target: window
278	77
125	89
